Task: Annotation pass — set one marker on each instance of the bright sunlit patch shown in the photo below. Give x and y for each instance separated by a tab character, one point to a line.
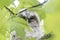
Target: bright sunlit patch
41	1
15	4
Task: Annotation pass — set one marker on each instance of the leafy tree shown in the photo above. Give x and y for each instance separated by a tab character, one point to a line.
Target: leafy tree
50	12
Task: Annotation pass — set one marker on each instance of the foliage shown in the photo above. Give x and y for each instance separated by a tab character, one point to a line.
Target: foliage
50	12
5	3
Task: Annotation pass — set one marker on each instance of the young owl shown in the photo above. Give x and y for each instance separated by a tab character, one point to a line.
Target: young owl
34	22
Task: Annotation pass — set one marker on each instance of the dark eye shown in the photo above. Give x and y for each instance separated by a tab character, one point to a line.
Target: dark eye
32	17
29	20
13	35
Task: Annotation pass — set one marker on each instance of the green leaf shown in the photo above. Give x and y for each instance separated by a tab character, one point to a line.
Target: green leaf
5	3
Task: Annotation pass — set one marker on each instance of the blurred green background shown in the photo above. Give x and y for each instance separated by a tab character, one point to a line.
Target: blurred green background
50	12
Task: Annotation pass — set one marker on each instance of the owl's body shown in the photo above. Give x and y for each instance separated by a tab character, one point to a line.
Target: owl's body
34	22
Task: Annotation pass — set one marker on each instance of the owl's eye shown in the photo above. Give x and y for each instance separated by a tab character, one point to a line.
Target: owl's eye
33	17
13	35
